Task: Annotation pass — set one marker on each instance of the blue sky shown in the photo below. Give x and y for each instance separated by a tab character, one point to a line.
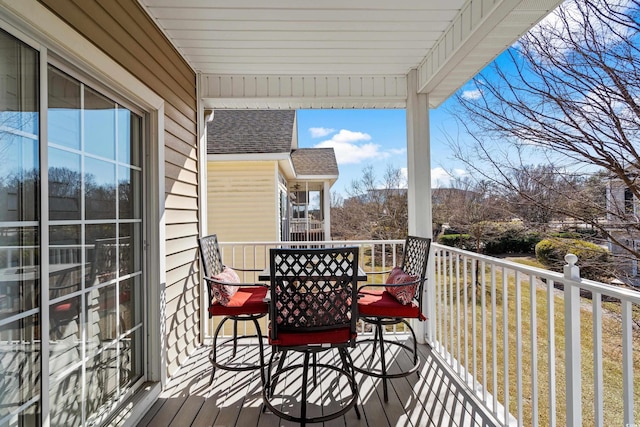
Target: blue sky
377	138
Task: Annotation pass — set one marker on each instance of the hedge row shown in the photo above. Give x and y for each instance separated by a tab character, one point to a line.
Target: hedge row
507	242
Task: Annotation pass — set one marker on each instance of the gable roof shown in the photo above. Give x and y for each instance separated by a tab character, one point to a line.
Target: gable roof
251	131
315	161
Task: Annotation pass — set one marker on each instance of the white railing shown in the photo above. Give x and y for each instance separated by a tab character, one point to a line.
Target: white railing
299	225
488	319
256	254
490	322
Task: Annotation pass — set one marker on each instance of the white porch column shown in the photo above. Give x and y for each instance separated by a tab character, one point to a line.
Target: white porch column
326	194
419	185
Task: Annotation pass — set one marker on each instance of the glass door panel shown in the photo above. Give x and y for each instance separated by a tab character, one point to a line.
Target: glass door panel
19	234
103	200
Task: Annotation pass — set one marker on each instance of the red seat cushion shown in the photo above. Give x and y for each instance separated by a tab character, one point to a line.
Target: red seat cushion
382	304
329	336
247	300
64	307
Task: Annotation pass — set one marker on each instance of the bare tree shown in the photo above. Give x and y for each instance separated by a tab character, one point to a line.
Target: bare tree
567	93
468	207
376	208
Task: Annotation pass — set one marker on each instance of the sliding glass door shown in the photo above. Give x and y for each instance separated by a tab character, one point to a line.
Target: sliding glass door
71	324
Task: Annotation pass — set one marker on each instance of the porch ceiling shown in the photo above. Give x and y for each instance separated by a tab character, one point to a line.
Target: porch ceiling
372	42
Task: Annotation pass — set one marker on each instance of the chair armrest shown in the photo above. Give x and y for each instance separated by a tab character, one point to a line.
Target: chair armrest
245	269
369	285
379	272
392	285
374	284
221	282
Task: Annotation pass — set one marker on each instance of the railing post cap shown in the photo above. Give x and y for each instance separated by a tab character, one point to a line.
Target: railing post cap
571	259
571	270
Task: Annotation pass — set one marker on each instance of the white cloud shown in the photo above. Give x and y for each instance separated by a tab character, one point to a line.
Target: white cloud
472	94
320	132
347	153
350	136
441	178
397	151
351	147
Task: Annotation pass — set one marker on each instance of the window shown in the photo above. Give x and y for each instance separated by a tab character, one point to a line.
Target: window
628	201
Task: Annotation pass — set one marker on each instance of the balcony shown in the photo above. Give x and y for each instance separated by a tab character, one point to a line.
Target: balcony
494	355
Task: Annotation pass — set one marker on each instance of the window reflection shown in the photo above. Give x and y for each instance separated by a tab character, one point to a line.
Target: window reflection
100	189
64	109
19	270
129	137
102	383
65	184
19	178
131	252
101	253
102	323
131	358
65	260
99	125
129	188
66	402
19	364
64	334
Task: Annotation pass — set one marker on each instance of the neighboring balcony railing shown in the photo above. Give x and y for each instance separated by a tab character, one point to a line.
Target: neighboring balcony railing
489	320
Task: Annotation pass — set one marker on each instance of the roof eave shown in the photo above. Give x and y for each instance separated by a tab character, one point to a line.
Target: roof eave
247	157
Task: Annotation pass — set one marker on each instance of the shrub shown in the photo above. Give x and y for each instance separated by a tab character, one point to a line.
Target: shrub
512	240
462	241
592	259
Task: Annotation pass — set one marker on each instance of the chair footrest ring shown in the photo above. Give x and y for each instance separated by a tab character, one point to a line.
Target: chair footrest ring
268	395
378	373
239	368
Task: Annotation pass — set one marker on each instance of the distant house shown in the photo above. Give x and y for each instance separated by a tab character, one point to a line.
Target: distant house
623	216
260	185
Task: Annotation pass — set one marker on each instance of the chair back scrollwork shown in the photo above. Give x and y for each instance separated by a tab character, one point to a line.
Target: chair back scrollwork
313	289
415	261
210	254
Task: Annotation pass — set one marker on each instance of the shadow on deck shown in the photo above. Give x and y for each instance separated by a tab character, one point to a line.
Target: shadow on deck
433	398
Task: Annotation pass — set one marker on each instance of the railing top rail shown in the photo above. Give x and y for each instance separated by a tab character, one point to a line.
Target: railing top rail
591	285
316	242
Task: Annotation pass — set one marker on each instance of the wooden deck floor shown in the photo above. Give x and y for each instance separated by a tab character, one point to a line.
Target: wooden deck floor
234	399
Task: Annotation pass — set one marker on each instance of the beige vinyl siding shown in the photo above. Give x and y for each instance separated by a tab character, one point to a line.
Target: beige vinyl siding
123	31
241	200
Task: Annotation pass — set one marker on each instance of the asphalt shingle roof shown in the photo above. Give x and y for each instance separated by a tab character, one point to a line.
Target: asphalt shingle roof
250	131
314	161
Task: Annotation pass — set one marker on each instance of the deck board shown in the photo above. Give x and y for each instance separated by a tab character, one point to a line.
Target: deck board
235	398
